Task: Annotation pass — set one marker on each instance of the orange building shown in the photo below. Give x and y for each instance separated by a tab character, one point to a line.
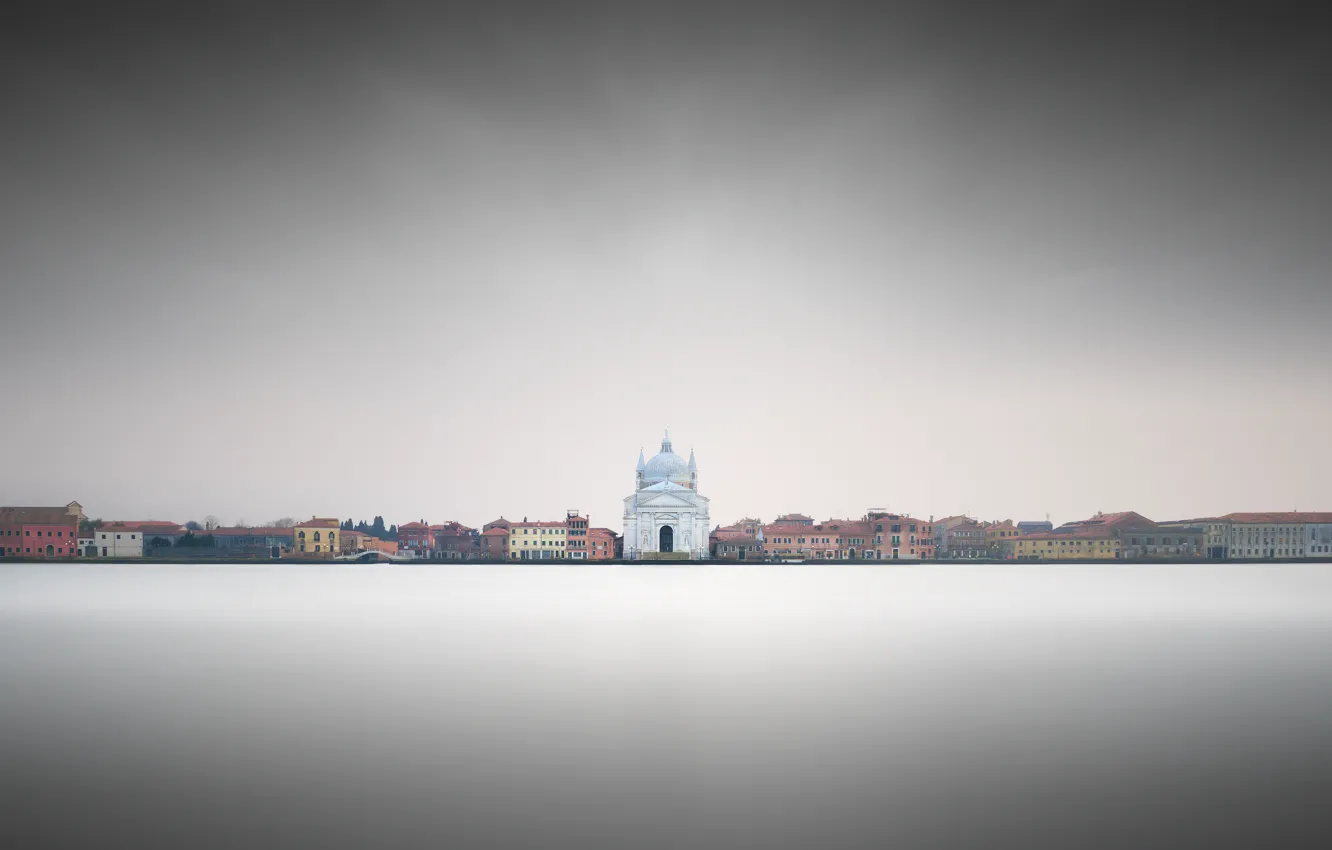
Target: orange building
318	536
601	544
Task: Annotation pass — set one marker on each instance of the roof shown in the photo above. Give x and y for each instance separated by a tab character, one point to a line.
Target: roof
38	515
497	531
1293	517
550	524
319	522
412	525
592	531
1110	520
155	525
794	518
257	531
1093	532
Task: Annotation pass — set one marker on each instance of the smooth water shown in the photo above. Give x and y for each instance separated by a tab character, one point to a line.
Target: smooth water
617	706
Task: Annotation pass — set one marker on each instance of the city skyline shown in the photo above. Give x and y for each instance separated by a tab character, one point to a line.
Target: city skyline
400	259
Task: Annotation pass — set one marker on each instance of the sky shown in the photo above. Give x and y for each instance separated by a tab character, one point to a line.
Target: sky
433	261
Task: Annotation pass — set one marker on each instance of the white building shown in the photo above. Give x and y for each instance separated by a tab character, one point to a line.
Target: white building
1273	535
87	542
1318	538
666	517
116	540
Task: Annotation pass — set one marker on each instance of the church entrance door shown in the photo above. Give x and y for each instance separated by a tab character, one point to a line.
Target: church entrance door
667	539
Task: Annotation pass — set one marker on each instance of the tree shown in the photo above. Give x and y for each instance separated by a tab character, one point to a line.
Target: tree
377	529
88	526
392	533
210	522
363	527
284	522
347	526
193	526
240	523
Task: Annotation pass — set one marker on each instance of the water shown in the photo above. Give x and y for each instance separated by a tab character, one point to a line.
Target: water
800	706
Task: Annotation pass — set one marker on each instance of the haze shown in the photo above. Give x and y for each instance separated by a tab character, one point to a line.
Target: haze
451	264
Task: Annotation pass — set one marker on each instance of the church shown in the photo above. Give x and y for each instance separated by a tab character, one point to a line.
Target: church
666	518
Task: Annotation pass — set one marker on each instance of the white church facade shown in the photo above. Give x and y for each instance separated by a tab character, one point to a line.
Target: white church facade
666	518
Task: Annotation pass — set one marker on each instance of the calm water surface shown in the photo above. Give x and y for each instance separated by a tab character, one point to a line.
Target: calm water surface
800	706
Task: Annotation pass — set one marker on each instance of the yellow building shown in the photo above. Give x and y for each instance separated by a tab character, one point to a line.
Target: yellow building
537	541
318	535
1083	544
1000	537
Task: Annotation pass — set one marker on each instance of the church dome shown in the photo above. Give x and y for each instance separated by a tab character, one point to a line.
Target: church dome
665	465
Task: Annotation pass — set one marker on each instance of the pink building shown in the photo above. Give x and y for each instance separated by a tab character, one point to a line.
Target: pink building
41	532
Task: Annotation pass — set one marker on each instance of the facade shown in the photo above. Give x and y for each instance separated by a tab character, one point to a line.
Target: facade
416	538
374	544
537	541
901	538
456	542
601	544
1164	540
495	542
577	538
40	532
317	536
1028	526
666	517
964	539
87	544
1279	534
794	519
1318	539
1097	538
999	537
119	540
252	541
1082	544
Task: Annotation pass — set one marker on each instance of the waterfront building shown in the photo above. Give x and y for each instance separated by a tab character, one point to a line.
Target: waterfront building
1163	540
119	540
1318	537
999	537
665	517
456	542
497	523
577	537
261	540
87	544
1276	534
1028	526
1097	538
40	532
495	542
1095	543
416	538
962	539
601	544
537	541
317	536
898	537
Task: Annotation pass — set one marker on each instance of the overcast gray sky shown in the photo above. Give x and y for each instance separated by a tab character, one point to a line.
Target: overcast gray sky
449	263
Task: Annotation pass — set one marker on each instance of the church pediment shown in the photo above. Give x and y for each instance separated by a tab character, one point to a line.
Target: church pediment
664	500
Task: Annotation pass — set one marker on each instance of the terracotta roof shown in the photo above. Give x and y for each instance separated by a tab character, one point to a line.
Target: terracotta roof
319	522
794	518
412	525
256	531
559	524
1291	517
37	515
1109	520
592	531
155	525
495	532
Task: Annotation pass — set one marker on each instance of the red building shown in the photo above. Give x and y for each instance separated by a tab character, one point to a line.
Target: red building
576	539
601	544
40	532
416	538
495	543
455	541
